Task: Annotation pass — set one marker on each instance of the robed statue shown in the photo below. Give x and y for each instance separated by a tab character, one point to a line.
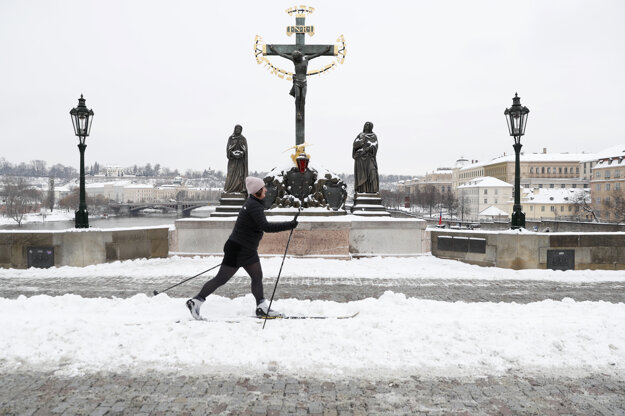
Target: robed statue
236	152
365	164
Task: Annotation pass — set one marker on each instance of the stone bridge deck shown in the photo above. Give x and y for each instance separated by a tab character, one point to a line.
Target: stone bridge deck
214	392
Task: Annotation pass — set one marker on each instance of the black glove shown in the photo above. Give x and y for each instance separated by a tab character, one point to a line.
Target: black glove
294	224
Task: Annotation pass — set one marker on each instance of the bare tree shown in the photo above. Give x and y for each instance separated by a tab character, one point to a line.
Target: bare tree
50	199
582	203
450	203
20	198
391	199
70	202
430	198
38	167
464	206
616	205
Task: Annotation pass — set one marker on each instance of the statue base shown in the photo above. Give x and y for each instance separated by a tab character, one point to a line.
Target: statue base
369	205
317	191
230	204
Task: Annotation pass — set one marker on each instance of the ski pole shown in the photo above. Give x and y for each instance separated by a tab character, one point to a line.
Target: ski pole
156	292
280	272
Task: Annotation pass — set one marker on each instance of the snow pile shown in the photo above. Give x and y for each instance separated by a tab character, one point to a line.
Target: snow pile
392	335
421	267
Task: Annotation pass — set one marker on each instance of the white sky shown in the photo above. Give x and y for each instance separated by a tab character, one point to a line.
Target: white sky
169	80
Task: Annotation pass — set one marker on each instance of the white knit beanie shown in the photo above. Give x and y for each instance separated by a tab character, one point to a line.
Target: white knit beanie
253	184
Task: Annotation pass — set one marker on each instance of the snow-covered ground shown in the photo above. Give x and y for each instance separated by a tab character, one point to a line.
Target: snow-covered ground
39	217
425	266
391	336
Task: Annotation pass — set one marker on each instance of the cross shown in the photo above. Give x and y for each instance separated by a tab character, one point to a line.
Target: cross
300	54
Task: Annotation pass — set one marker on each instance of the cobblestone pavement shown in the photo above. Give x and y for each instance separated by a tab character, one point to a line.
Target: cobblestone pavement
163	394
336	289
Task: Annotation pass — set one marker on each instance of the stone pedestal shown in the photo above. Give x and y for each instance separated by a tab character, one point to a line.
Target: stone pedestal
344	236
369	204
229	205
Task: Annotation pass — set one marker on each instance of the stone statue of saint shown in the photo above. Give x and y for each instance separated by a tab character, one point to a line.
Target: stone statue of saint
300	62
236	152
365	165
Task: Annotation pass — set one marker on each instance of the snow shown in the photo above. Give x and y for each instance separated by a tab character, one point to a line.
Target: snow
493	211
611	152
419	267
543	157
486	181
392	335
552	195
540	157
87	230
38	217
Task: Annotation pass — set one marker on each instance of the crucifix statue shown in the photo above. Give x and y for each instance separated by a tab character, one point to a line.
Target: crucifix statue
300	61
300	54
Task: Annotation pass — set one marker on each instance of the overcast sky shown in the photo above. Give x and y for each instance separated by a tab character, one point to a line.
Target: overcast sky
169	80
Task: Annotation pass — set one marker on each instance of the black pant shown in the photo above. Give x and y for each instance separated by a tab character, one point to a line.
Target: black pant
226	272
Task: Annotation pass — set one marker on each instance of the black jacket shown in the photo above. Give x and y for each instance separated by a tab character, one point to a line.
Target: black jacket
251	223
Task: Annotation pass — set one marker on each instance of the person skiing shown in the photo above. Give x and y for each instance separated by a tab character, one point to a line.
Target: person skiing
241	250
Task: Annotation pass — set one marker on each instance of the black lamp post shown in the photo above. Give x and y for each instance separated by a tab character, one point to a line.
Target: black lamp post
82	118
516	116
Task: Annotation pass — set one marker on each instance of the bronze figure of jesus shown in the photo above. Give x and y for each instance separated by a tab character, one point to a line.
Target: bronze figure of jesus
300	61
300	54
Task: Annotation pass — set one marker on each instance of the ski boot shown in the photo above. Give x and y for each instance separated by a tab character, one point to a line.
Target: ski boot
194	306
262	311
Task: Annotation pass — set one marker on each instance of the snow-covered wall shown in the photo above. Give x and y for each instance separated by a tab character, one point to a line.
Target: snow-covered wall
521	249
83	247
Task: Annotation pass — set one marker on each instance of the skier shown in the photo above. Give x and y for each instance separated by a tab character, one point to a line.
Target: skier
241	250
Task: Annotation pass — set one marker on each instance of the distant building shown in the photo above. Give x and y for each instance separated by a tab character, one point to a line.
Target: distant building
608	180
112	191
127	192
484	194
408	187
464	172
115	171
553	203
538	170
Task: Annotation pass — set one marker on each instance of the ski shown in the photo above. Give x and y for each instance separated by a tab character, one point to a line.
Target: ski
236	320
213	319
308	317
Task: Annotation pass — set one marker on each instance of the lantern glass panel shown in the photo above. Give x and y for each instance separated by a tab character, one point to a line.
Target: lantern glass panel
508	122
523	122
89	122
516	124
82	121
74	124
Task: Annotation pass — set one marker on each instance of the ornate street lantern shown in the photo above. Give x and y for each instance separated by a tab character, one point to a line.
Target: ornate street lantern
82	118
516	116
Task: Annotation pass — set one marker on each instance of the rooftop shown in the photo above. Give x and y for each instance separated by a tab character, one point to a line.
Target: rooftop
485	182
552	195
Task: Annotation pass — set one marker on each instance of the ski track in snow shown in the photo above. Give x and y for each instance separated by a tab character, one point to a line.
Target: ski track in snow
392	335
